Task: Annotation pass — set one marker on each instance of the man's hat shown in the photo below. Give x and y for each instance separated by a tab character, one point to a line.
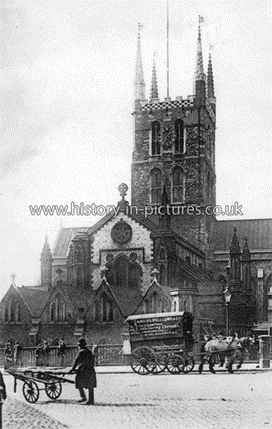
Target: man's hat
82	342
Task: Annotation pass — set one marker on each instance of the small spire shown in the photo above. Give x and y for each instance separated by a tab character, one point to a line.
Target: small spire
246	253
139	83
210	84
46	244
235	247
199	73
46	249
154	85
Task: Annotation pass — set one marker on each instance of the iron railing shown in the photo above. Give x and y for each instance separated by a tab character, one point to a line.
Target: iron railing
106	354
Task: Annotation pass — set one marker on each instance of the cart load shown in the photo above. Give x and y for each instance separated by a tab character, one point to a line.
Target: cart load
161	340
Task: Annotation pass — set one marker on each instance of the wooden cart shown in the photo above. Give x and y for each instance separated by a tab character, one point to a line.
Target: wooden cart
31	377
161	341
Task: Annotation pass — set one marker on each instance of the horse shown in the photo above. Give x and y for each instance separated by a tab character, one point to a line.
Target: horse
233	348
241	346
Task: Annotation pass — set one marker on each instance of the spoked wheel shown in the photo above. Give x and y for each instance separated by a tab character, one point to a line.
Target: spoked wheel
143	360
31	391
53	390
175	364
189	364
161	363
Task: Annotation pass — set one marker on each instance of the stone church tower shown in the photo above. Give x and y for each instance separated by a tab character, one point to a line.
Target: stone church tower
174	146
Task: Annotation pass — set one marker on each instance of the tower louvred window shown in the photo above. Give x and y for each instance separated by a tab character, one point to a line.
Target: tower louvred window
177	185
155	138
179	136
156	186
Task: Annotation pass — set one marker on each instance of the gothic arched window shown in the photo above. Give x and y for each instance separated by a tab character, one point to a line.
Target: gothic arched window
162	255
177	185
121	271
97	310
155	138
6	313
135	273
63	311
18	312
79	254
156	303
11	311
57	309
107	309
179	136
156	186
162	275
79	276
52	311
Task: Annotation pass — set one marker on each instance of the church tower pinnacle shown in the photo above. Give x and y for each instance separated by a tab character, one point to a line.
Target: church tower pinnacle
154	96
210	85
199	71
139	83
199	78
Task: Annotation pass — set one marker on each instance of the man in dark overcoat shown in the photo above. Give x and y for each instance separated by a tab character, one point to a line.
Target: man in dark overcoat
86	376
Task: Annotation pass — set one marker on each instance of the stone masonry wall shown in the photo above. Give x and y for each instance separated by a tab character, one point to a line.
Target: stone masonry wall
140	243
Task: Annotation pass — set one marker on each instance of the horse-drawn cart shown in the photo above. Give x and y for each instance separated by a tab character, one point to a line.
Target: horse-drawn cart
52	381
161	341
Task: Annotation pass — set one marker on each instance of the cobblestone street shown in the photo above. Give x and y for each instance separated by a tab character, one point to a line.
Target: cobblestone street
241	401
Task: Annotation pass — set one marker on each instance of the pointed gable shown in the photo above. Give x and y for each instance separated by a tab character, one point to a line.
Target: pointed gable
126	300
34	298
156	299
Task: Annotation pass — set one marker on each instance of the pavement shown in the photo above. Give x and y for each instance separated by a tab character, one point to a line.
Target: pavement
127	400
126	369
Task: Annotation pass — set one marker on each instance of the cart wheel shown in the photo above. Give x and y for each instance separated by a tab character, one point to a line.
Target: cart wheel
175	364
161	363
143	360
31	391
189	364
53	390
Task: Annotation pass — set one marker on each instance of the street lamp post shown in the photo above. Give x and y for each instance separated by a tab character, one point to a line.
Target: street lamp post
227	296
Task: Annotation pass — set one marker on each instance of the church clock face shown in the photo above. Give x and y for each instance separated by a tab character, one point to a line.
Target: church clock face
121	233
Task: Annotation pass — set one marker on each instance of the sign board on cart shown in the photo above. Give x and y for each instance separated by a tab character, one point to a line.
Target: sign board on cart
156	326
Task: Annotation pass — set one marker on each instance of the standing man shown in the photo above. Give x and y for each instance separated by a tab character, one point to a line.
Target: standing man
17	354
61	351
86	376
9	355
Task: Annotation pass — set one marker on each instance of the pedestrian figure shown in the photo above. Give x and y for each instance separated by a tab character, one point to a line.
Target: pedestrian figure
9	356
18	354
220	337
86	376
61	351
39	355
45	353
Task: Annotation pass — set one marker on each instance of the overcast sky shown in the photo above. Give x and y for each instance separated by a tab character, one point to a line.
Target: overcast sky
67	97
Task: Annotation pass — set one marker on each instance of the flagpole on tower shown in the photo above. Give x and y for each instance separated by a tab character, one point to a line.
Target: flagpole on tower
167	34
